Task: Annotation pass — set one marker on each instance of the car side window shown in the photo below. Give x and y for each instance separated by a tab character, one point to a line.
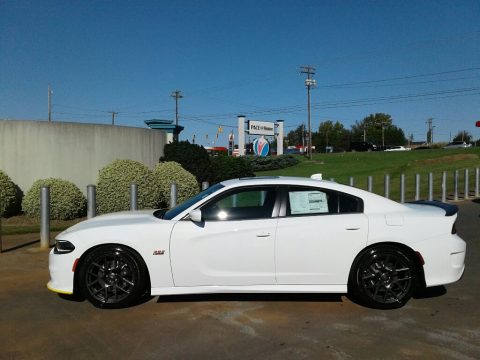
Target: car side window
303	201
241	204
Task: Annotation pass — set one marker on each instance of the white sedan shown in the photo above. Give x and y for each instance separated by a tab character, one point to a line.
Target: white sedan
397	148
264	234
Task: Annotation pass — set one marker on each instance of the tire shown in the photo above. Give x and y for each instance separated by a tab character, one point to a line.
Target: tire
112	277
383	277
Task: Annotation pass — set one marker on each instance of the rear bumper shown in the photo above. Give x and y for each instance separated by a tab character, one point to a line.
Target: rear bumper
444	259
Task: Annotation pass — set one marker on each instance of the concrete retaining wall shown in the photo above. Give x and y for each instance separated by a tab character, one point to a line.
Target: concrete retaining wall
31	150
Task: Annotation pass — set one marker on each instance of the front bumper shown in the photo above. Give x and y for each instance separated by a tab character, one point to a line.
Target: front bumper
61	272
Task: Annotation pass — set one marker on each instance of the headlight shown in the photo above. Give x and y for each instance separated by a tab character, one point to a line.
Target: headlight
63	247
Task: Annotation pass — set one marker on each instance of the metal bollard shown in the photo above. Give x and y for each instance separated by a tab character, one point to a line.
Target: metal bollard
477	181
351	181
455	185
387	186
205	185
45	217
173	195
466	185
370	184
444	186
402	188
91	201
417	186
430	186
133	197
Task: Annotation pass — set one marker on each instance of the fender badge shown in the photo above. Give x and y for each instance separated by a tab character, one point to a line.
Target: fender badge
158	252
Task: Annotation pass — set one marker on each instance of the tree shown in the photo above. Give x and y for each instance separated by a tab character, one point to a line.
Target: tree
294	137
379	129
330	134
463	136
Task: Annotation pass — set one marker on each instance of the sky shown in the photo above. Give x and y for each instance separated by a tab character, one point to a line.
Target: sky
414	60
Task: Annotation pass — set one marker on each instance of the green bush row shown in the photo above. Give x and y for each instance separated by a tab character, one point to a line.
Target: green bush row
114	180
10	196
258	163
196	160
66	200
113	190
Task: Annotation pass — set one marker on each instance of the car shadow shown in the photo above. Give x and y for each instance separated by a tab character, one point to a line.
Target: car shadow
271	297
431	292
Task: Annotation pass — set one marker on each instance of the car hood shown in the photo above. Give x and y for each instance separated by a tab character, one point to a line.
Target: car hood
116	219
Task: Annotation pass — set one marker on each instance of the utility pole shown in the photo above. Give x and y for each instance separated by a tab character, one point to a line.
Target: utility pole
177	94
383	135
309	83
429	122
113	116
50	92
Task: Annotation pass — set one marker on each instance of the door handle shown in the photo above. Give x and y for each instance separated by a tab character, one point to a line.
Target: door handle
262	235
352	228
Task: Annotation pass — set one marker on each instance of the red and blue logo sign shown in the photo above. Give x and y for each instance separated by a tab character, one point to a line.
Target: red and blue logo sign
261	147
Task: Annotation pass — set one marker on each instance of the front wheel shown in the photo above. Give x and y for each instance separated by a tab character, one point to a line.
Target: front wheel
383	277
112	277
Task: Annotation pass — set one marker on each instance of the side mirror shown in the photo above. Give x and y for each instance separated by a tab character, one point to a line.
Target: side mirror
195	215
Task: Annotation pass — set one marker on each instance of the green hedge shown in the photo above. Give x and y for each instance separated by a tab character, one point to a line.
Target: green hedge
259	163
113	187
191	157
10	196
229	168
170	172
66	200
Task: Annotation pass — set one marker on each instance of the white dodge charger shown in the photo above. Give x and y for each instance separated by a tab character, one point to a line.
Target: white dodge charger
264	234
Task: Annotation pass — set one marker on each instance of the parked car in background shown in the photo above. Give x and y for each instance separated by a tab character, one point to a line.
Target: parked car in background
362	146
263	235
457	145
397	148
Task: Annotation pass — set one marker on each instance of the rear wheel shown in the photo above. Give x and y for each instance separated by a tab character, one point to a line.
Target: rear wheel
383	277
112	277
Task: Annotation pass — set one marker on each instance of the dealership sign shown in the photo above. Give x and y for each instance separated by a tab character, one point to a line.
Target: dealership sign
261	128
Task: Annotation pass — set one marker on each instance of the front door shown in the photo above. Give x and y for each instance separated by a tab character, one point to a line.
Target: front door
232	246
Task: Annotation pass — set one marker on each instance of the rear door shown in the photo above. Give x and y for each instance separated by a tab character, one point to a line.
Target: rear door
318	236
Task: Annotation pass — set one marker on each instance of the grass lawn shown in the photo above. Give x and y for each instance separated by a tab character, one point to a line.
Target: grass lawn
26	225
360	165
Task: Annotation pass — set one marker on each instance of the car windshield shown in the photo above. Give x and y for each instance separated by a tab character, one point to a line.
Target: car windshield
170	214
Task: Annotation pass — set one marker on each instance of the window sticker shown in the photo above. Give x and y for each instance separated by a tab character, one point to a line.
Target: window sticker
308	202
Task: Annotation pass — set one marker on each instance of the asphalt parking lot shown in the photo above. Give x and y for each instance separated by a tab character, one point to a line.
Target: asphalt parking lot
38	324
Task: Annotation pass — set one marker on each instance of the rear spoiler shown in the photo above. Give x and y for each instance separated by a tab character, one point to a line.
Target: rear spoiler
449	209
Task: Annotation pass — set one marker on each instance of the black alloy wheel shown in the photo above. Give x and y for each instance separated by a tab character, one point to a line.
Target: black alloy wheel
384	277
112	277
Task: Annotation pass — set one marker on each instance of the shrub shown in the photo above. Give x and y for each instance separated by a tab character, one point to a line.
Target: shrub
170	172
113	187
66	200
230	168
191	157
271	163
10	196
